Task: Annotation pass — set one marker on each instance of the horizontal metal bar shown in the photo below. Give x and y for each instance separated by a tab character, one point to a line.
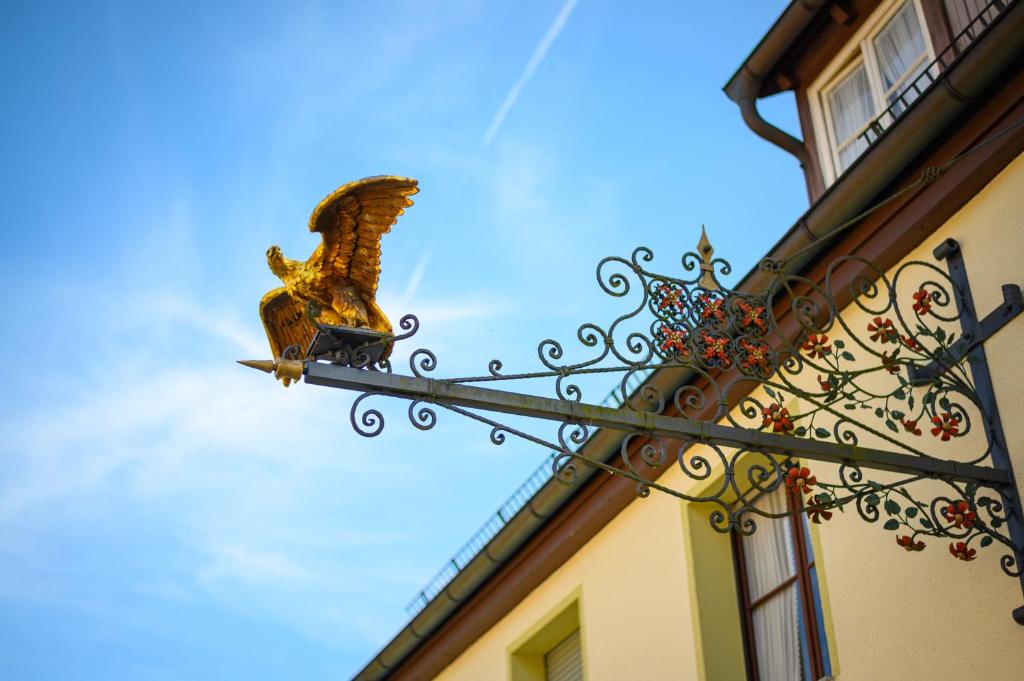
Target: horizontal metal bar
473	397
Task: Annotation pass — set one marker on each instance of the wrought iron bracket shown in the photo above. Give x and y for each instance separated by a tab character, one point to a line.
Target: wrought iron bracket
970	346
752	352
974	332
567	411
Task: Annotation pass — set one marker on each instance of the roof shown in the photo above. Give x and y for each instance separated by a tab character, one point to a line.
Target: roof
772	47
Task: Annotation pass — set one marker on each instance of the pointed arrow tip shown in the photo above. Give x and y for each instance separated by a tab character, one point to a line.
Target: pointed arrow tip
265	365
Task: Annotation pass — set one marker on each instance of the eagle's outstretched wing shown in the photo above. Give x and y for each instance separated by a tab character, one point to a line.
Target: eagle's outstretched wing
285	320
351	221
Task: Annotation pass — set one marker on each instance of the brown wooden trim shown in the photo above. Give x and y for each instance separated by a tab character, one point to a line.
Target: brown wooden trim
804	565
937	20
774	592
814	175
746	614
885	237
746	608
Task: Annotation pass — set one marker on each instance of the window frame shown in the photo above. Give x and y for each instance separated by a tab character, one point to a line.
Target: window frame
526	654
859	50
802	577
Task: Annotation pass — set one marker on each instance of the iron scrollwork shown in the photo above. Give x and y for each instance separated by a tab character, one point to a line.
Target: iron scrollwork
856	356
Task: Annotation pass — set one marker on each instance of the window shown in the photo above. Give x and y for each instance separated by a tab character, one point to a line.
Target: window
780	605
877	72
552	650
564	662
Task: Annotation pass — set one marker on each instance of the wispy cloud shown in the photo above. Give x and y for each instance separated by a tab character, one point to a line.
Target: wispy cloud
539	53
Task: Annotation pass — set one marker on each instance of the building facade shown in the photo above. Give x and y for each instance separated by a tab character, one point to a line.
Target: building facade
912	122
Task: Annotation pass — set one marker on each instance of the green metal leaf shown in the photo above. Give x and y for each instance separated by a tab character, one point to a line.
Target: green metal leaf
892	524
986	540
891	425
821	433
911	511
839	344
771	393
891	507
927	524
944	403
801	431
847	355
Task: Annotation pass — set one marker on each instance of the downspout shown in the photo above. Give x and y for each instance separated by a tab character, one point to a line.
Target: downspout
747	100
745	86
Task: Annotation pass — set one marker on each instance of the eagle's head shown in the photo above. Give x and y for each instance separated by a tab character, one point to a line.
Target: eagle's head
275	258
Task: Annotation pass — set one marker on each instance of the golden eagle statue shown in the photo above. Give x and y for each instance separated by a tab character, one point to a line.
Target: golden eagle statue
341	276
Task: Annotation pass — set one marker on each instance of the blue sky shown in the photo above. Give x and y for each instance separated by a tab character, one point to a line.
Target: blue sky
167	514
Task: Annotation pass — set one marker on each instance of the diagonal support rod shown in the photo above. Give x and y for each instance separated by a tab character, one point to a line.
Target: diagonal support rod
472	397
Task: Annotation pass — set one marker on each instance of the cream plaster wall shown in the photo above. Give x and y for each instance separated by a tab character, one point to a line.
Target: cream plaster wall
891	615
925	615
633	589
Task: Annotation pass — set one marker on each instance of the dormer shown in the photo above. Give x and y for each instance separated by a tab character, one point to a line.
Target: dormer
855	67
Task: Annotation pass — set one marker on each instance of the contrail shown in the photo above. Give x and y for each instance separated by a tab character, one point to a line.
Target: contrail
531	66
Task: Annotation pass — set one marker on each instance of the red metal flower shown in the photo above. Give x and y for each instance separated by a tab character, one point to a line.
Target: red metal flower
825	384
889	362
817	346
817	513
960	514
752	316
946	426
910	426
777	416
883	330
922	301
673	340
910	342
908	543
716	348
756	356
961	552
711	308
670	298
801	480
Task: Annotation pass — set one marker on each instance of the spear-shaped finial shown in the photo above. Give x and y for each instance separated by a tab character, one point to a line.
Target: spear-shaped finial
705	250
265	365
287	370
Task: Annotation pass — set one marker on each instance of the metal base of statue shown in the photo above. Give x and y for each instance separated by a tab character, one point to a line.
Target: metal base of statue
350	347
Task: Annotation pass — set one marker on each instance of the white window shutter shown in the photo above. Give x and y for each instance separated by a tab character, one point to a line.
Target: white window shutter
564	662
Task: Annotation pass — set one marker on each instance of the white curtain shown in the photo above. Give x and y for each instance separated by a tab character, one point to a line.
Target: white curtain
897	48
769	556
851	106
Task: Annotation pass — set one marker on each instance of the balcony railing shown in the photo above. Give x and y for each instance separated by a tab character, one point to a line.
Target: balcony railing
969	20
